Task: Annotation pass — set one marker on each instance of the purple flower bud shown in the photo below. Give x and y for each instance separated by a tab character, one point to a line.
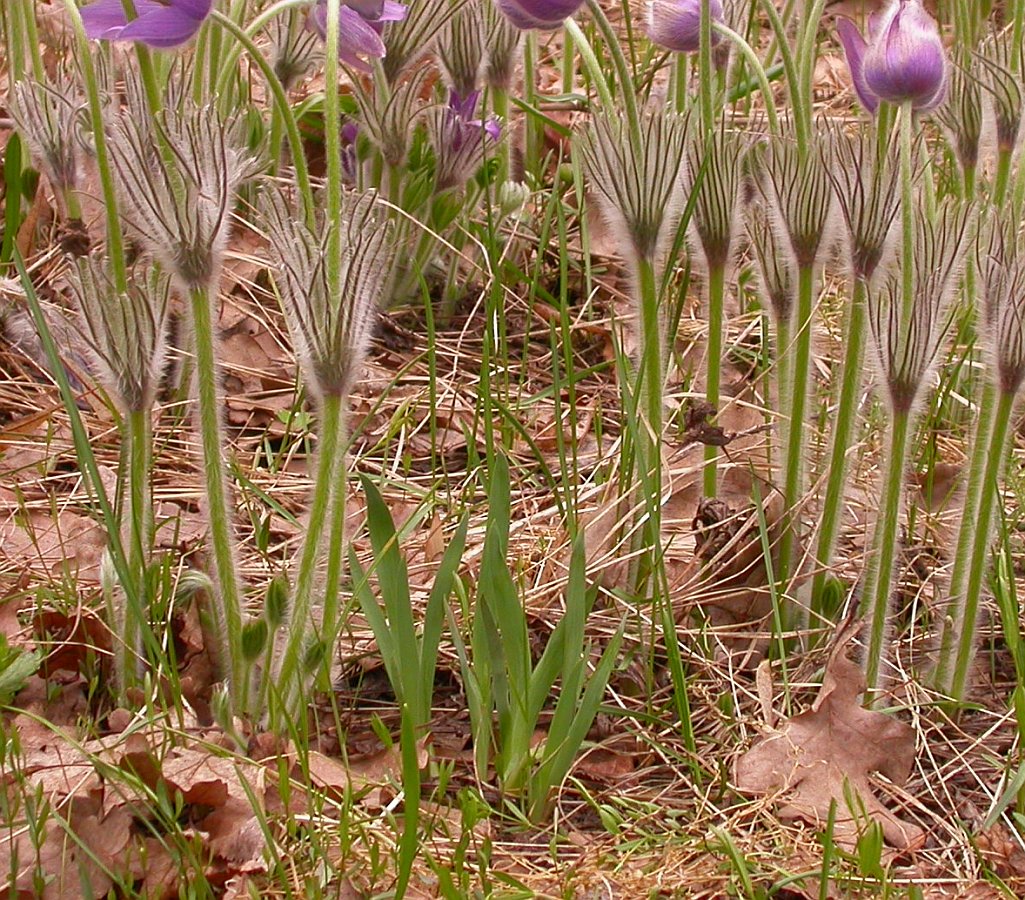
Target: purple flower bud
359	28
540	14
160	24
676	24
903	59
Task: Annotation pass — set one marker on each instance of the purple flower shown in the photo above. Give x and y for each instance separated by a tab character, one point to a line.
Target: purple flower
359	28
903	59
676	24
542	14
460	141
160	24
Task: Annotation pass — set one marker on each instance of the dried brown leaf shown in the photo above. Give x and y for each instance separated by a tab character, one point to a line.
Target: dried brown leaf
831	751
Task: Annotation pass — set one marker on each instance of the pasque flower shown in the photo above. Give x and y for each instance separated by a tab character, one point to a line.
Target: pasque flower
903	59
676	24
161	24
541	14
359	28
460	140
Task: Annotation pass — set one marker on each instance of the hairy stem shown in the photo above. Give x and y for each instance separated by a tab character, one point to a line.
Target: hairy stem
843	432
227	600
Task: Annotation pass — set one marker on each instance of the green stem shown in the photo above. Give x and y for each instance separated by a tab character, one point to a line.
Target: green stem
759	73
333	149
875	598
568	66
115	238
794	451
716	300
500	107
963	553
533	134
678	83
802	124
908	210
651	376
139	536
227	600
284	110
590	61
808	57
626	84
1005	159
965	608
330	458
705	74
32	40
336	545
843	432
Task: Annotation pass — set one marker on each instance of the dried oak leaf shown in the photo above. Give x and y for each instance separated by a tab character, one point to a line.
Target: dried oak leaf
830	751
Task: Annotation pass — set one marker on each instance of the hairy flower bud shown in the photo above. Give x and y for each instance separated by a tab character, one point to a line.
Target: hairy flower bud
1003	82
866	182
676	24
331	331
639	189
126	332
800	197
47	118
502	47
461	48
181	206
903	59
461	142
906	341
961	116
774	266
389	118
1001	258
716	164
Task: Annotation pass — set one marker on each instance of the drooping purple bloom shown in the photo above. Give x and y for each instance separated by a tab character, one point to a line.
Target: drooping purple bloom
360	23
903	59
460	141
161	24
676	24
540	14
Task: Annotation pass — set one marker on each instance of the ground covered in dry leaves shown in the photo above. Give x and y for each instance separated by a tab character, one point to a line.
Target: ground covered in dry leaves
138	802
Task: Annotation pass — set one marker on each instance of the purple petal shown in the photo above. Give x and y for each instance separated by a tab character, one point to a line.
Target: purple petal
198	9
492	128
854	50
356	36
908	63
161	28
540	14
392	11
102	17
676	24
463	107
